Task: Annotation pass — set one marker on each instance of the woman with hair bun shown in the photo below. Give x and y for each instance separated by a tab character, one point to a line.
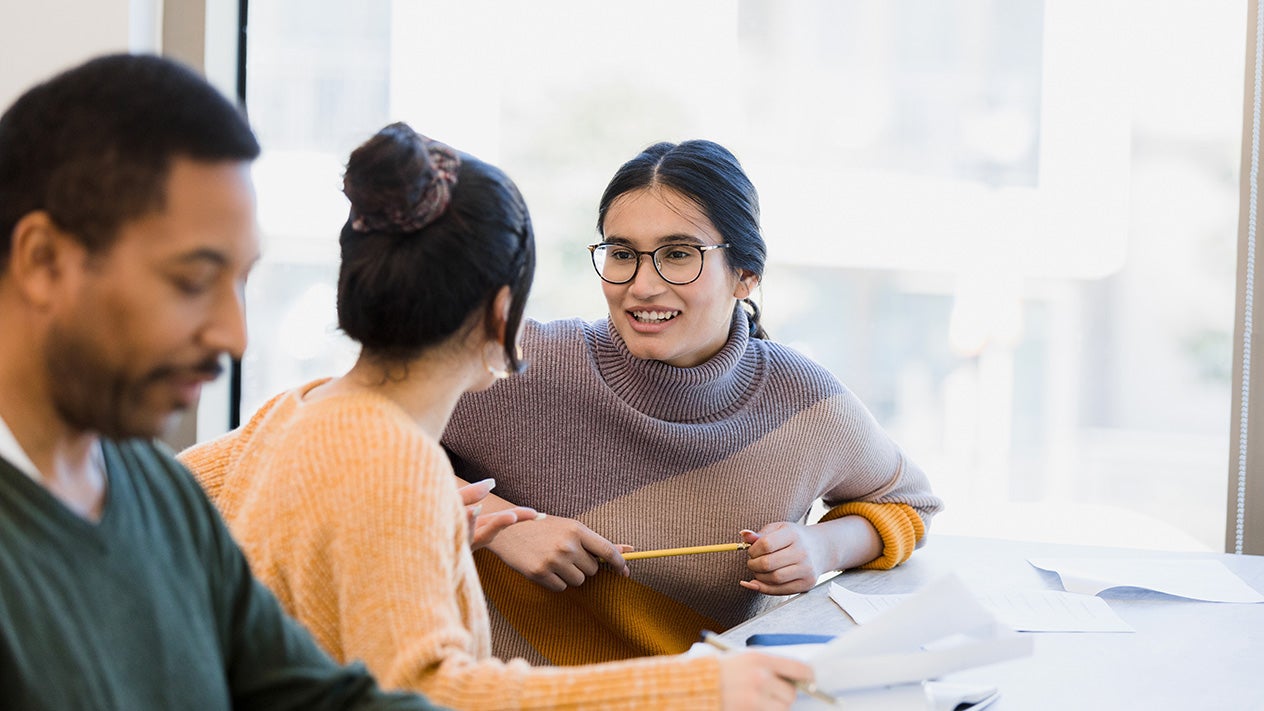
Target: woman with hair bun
343	499
674	422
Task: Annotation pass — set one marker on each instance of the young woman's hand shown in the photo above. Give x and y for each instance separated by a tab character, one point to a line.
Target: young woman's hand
785	557
750	680
558	552
485	527
789	557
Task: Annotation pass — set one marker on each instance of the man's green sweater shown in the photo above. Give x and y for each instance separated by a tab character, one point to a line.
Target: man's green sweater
152	607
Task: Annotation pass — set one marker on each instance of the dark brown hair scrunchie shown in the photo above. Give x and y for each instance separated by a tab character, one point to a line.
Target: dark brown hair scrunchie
430	204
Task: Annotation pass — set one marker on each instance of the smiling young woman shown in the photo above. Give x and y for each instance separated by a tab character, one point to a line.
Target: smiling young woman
674	422
679	321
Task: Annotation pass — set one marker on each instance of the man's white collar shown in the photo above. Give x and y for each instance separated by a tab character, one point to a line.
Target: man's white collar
14	454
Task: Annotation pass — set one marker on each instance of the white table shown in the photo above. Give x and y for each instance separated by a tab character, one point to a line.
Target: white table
1184	654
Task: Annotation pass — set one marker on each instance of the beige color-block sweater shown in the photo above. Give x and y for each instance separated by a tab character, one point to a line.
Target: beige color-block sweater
655	456
350	513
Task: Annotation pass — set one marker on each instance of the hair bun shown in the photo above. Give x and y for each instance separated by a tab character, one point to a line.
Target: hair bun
399	181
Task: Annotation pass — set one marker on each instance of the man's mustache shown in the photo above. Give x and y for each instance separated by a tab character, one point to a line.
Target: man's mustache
209	368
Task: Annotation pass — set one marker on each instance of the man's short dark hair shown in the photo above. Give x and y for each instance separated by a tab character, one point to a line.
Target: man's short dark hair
93	146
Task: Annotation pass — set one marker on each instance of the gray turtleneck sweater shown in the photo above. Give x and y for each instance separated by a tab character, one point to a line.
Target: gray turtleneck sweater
656	456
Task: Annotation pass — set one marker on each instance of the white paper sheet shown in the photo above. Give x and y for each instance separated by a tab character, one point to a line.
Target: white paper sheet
926	696
1194	578
883	664
1021	610
938	630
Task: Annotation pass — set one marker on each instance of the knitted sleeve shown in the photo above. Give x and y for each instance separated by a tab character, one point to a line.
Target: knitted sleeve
405	594
869	466
899	525
649	682
872	478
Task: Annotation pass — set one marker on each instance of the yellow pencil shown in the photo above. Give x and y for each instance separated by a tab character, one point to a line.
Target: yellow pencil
663	553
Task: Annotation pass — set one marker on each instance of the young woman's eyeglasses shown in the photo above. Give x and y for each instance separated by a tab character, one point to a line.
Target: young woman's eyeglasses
677	264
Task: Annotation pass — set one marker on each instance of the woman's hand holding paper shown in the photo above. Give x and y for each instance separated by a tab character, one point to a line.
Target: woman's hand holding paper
750	680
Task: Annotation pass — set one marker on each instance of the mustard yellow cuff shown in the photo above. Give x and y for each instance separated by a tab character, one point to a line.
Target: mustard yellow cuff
898	524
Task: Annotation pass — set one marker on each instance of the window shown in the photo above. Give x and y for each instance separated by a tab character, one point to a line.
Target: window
1009	226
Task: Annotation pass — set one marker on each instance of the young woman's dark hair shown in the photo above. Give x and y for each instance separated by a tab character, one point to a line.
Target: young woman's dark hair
709	175
93	146
432	236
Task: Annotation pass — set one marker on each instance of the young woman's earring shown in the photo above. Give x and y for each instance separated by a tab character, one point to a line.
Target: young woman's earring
497	373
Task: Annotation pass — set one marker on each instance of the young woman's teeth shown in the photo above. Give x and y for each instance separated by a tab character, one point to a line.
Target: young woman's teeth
654	316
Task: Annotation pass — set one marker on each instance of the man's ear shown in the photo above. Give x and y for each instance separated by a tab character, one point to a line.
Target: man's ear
746	284
40	254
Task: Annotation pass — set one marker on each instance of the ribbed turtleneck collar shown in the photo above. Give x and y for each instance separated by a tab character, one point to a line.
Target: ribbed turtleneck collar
709	391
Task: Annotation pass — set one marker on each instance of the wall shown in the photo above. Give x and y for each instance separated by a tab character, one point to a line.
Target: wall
48	36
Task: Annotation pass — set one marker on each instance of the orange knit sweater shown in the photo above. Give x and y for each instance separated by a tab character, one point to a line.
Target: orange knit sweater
349	512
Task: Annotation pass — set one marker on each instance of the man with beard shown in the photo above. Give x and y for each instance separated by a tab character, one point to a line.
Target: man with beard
127	229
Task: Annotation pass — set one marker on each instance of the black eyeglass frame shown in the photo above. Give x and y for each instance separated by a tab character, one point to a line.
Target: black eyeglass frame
702	260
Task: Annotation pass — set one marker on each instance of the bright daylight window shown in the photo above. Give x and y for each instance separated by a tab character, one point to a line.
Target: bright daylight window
1009	226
